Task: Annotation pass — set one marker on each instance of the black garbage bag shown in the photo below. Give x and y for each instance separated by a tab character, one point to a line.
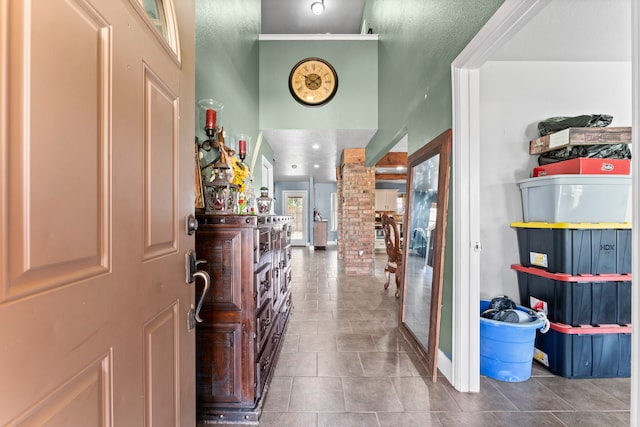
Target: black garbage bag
502	302
603	151
555	124
503	309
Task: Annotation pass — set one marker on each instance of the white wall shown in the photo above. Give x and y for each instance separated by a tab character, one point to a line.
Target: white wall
514	97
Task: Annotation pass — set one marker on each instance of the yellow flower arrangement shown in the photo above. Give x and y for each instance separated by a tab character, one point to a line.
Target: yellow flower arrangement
240	173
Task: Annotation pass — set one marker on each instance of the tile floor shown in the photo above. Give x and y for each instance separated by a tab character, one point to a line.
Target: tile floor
343	364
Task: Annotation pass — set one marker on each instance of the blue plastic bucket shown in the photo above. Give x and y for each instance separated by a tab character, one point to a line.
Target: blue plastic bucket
506	349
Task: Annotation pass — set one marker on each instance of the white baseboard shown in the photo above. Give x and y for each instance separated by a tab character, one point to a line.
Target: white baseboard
445	366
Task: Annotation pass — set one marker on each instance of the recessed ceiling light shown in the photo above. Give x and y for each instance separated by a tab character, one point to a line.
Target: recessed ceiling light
316	166
315	146
294	166
317	7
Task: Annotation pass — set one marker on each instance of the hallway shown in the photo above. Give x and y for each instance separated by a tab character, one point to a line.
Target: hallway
343	364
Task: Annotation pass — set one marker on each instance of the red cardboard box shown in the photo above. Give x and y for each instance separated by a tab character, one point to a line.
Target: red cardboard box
585	166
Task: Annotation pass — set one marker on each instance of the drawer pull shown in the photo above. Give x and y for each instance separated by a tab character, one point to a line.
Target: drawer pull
266	363
265	323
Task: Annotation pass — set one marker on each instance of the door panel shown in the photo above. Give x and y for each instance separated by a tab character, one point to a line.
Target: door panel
56	247
160	162
96	154
87	396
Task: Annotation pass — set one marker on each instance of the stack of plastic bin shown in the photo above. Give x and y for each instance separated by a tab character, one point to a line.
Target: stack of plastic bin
575	265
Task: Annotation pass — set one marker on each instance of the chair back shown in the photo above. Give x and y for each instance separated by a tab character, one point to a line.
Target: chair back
391	238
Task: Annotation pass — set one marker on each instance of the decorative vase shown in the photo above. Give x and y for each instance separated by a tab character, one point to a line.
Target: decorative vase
264	202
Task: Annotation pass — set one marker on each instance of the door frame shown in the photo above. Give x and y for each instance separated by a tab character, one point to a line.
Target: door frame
463	370
305	214
510	17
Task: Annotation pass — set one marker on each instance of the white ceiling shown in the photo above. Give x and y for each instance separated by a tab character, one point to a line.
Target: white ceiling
295	17
565	30
573	30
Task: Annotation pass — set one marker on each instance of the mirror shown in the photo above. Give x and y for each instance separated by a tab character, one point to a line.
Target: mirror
424	241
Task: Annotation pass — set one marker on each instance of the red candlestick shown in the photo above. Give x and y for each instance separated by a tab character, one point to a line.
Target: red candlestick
211	119
242	147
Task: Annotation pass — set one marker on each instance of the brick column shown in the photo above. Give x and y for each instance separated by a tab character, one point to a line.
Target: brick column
356	214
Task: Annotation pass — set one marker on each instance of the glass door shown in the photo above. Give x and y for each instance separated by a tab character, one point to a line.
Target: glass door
295	205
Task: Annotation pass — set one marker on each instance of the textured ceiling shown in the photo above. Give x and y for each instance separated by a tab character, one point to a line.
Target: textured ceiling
295	17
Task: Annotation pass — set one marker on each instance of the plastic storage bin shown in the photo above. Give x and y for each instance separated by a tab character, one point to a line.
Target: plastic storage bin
576	300
585	351
575	198
585	166
506	349
586	248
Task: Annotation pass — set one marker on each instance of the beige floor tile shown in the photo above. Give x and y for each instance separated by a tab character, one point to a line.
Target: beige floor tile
317	394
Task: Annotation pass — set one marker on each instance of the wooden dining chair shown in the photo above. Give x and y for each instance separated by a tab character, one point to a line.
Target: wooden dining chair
394	251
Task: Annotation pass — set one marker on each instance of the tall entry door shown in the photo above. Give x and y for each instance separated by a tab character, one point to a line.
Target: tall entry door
294	203
96	161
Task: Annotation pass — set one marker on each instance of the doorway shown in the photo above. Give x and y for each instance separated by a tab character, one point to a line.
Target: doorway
294	203
469	75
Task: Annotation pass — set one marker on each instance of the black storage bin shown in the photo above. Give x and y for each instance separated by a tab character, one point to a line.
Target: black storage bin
583	248
576	300
585	351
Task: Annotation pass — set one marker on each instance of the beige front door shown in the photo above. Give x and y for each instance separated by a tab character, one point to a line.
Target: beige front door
96	179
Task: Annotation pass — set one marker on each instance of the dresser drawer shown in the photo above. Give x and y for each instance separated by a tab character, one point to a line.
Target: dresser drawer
285	283
263	246
265	362
263	285
264	321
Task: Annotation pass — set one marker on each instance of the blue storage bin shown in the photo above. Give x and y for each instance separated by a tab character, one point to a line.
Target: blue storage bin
506	349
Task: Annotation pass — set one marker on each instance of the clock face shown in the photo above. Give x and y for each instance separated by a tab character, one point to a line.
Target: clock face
313	81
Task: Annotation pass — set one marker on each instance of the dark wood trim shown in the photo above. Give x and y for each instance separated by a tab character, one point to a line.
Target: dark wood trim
390	176
393	158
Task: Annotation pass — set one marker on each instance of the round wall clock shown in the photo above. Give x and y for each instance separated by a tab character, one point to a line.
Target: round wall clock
313	81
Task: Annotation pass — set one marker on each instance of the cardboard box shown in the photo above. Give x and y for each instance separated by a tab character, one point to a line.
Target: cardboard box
580	136
585	166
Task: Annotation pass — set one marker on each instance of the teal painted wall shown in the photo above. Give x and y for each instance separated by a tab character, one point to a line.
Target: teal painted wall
382	84
418	41
227	69
355	105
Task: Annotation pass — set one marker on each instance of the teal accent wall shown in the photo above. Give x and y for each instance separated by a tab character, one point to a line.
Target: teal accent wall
227	70
418	41
355	105
382	84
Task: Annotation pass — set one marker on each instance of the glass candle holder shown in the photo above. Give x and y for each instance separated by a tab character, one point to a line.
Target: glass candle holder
242	143
210	116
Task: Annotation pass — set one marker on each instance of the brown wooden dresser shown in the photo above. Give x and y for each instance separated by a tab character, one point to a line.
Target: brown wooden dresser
244	313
